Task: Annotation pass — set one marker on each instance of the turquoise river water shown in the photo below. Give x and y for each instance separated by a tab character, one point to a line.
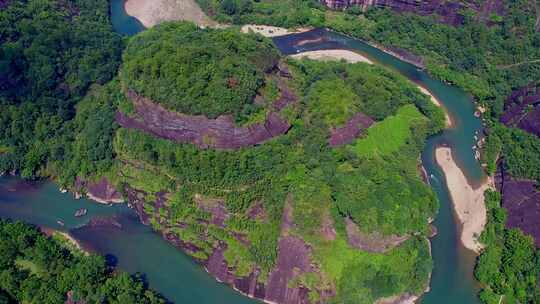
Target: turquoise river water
136	249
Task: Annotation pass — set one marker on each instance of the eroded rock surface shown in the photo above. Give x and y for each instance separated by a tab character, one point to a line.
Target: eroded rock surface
449	12
104	192
293	260
521	198
4	3
216	207
522	109
351	130
219	133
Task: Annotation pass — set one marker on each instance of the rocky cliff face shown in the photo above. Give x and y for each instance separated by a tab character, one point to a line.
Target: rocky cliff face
448	12
522	109
521	199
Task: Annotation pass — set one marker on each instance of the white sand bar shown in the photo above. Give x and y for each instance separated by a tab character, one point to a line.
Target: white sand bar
152	12
271	31
333	55
468	202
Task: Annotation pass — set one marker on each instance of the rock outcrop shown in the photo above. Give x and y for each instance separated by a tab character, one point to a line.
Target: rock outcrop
219	133
104	192
521	199
351	130
449	12
522	109
101	191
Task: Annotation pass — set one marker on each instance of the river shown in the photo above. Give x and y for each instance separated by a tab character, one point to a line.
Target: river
136	249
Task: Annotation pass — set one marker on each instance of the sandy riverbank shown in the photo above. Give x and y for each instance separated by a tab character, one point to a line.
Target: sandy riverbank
72	241
271	31
333	55
65	236
468	202
449	122
150	13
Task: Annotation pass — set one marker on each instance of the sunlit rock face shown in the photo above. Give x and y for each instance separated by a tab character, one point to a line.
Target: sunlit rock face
448	12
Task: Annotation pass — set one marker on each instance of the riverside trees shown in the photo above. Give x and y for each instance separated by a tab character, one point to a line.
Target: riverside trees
37	269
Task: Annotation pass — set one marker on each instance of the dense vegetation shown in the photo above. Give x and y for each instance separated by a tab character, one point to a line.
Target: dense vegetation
321	183
520	150
487	61
63	121
198	71
35	268
509	267
50	53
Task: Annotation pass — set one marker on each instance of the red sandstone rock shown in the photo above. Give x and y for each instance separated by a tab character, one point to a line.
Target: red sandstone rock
517	110
351	130
521	199
219	133
103	192
448	12
293	260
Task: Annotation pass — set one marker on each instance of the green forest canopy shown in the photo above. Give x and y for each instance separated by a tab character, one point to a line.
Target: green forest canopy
37	269
198	71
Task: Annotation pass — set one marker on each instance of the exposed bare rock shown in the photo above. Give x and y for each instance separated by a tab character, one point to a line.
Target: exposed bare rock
4	3
405	298
373	242
351	130
286	95
219	133
103	192
293	260
136	201
449	12
490	7
256	211
185	246
521	198
214	206
522	109
406	56
217	266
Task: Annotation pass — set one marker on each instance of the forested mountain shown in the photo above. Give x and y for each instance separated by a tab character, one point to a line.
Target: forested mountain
228	149
51	52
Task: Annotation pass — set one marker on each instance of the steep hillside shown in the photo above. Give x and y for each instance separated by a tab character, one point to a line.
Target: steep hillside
291	218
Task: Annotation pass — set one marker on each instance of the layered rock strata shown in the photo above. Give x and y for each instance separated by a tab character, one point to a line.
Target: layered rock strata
219	133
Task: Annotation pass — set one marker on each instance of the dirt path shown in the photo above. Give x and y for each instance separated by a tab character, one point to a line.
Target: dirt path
508	66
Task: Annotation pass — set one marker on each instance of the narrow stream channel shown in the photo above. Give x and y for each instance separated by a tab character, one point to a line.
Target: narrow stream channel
135	248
